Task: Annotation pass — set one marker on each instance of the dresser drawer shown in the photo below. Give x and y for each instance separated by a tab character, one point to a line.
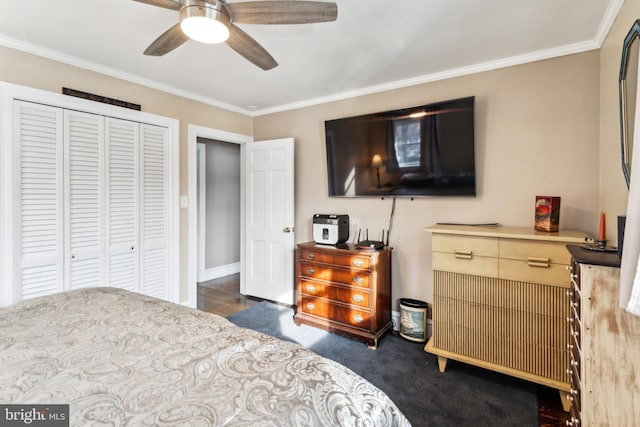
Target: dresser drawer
353	261
466	264
575	298
532	250
534	271
465	245
331	274
355	296
310	254
338	313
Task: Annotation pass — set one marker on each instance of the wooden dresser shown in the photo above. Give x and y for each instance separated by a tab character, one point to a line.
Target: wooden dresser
605	344
345	290
500	300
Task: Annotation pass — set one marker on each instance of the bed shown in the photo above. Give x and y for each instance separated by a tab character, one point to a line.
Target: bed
121	358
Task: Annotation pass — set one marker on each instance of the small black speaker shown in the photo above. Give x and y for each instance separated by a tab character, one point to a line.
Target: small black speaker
622	220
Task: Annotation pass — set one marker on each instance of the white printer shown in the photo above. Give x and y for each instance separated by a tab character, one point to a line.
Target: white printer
330	229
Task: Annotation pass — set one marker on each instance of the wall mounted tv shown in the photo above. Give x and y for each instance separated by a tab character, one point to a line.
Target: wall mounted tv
412	152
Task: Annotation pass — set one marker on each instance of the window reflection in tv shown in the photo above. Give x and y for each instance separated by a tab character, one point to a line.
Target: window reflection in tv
421	151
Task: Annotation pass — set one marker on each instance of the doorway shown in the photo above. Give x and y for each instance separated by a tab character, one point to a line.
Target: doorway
219	209
194	133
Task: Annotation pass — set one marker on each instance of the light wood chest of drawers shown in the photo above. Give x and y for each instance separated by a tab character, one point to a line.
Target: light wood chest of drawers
500	300
605	345
344	290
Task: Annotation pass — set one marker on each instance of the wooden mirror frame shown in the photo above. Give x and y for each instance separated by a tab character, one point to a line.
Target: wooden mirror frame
628	87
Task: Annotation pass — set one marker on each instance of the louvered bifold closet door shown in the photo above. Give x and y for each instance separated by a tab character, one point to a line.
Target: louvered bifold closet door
84	199
154	211
39	207
122	203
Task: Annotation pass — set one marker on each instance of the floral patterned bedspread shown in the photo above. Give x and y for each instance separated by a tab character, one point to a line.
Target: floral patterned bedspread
121	358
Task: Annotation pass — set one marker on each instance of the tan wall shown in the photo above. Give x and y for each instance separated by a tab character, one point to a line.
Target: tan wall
613	189
29	70
536	134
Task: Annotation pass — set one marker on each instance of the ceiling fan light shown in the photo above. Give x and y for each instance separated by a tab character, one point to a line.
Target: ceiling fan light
204	22
205	30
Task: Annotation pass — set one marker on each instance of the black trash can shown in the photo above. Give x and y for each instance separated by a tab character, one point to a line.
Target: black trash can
413	319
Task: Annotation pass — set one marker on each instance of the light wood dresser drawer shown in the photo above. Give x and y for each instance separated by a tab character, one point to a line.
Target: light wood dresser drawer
534	271
465	245
528	250
472	264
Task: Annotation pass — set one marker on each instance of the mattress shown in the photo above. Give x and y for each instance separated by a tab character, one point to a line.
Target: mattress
121	358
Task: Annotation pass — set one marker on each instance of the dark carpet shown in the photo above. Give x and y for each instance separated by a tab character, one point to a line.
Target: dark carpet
462	396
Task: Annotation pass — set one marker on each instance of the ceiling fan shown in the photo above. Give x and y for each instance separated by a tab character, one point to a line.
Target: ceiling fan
213	21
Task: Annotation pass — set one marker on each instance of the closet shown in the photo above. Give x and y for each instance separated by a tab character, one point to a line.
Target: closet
92	198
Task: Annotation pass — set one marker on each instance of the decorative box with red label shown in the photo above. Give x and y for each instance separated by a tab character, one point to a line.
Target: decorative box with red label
547	213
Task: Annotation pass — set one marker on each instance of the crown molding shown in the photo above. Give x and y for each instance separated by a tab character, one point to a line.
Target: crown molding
427	78
112	72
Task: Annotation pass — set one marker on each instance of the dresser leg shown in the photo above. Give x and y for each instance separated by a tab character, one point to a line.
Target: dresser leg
564	398
442	363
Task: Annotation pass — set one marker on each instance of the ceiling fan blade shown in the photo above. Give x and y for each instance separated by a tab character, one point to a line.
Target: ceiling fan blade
282	12
169	40
167	4
242	43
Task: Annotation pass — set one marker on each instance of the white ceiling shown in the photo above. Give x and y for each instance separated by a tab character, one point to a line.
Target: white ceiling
372	46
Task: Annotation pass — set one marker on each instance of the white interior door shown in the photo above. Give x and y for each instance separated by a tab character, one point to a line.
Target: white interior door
83	183
154	250
122	196
269	220
39	249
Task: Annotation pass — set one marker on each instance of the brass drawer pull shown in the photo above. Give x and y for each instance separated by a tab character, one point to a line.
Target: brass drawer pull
357	279
463	254
538	262
310	271
310	306
311	288
358	298
357	318
311	256
358	262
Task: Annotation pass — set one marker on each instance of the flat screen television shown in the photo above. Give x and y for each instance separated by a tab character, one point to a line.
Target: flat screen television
421	151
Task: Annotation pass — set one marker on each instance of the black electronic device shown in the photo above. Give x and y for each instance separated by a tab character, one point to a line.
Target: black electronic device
371	244
427	150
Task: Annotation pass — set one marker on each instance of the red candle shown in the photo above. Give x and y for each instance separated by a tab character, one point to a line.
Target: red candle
602	235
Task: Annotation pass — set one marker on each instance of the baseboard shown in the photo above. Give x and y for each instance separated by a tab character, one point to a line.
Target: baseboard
220	271
395	318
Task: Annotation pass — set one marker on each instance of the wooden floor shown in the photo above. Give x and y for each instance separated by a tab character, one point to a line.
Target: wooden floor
222	296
